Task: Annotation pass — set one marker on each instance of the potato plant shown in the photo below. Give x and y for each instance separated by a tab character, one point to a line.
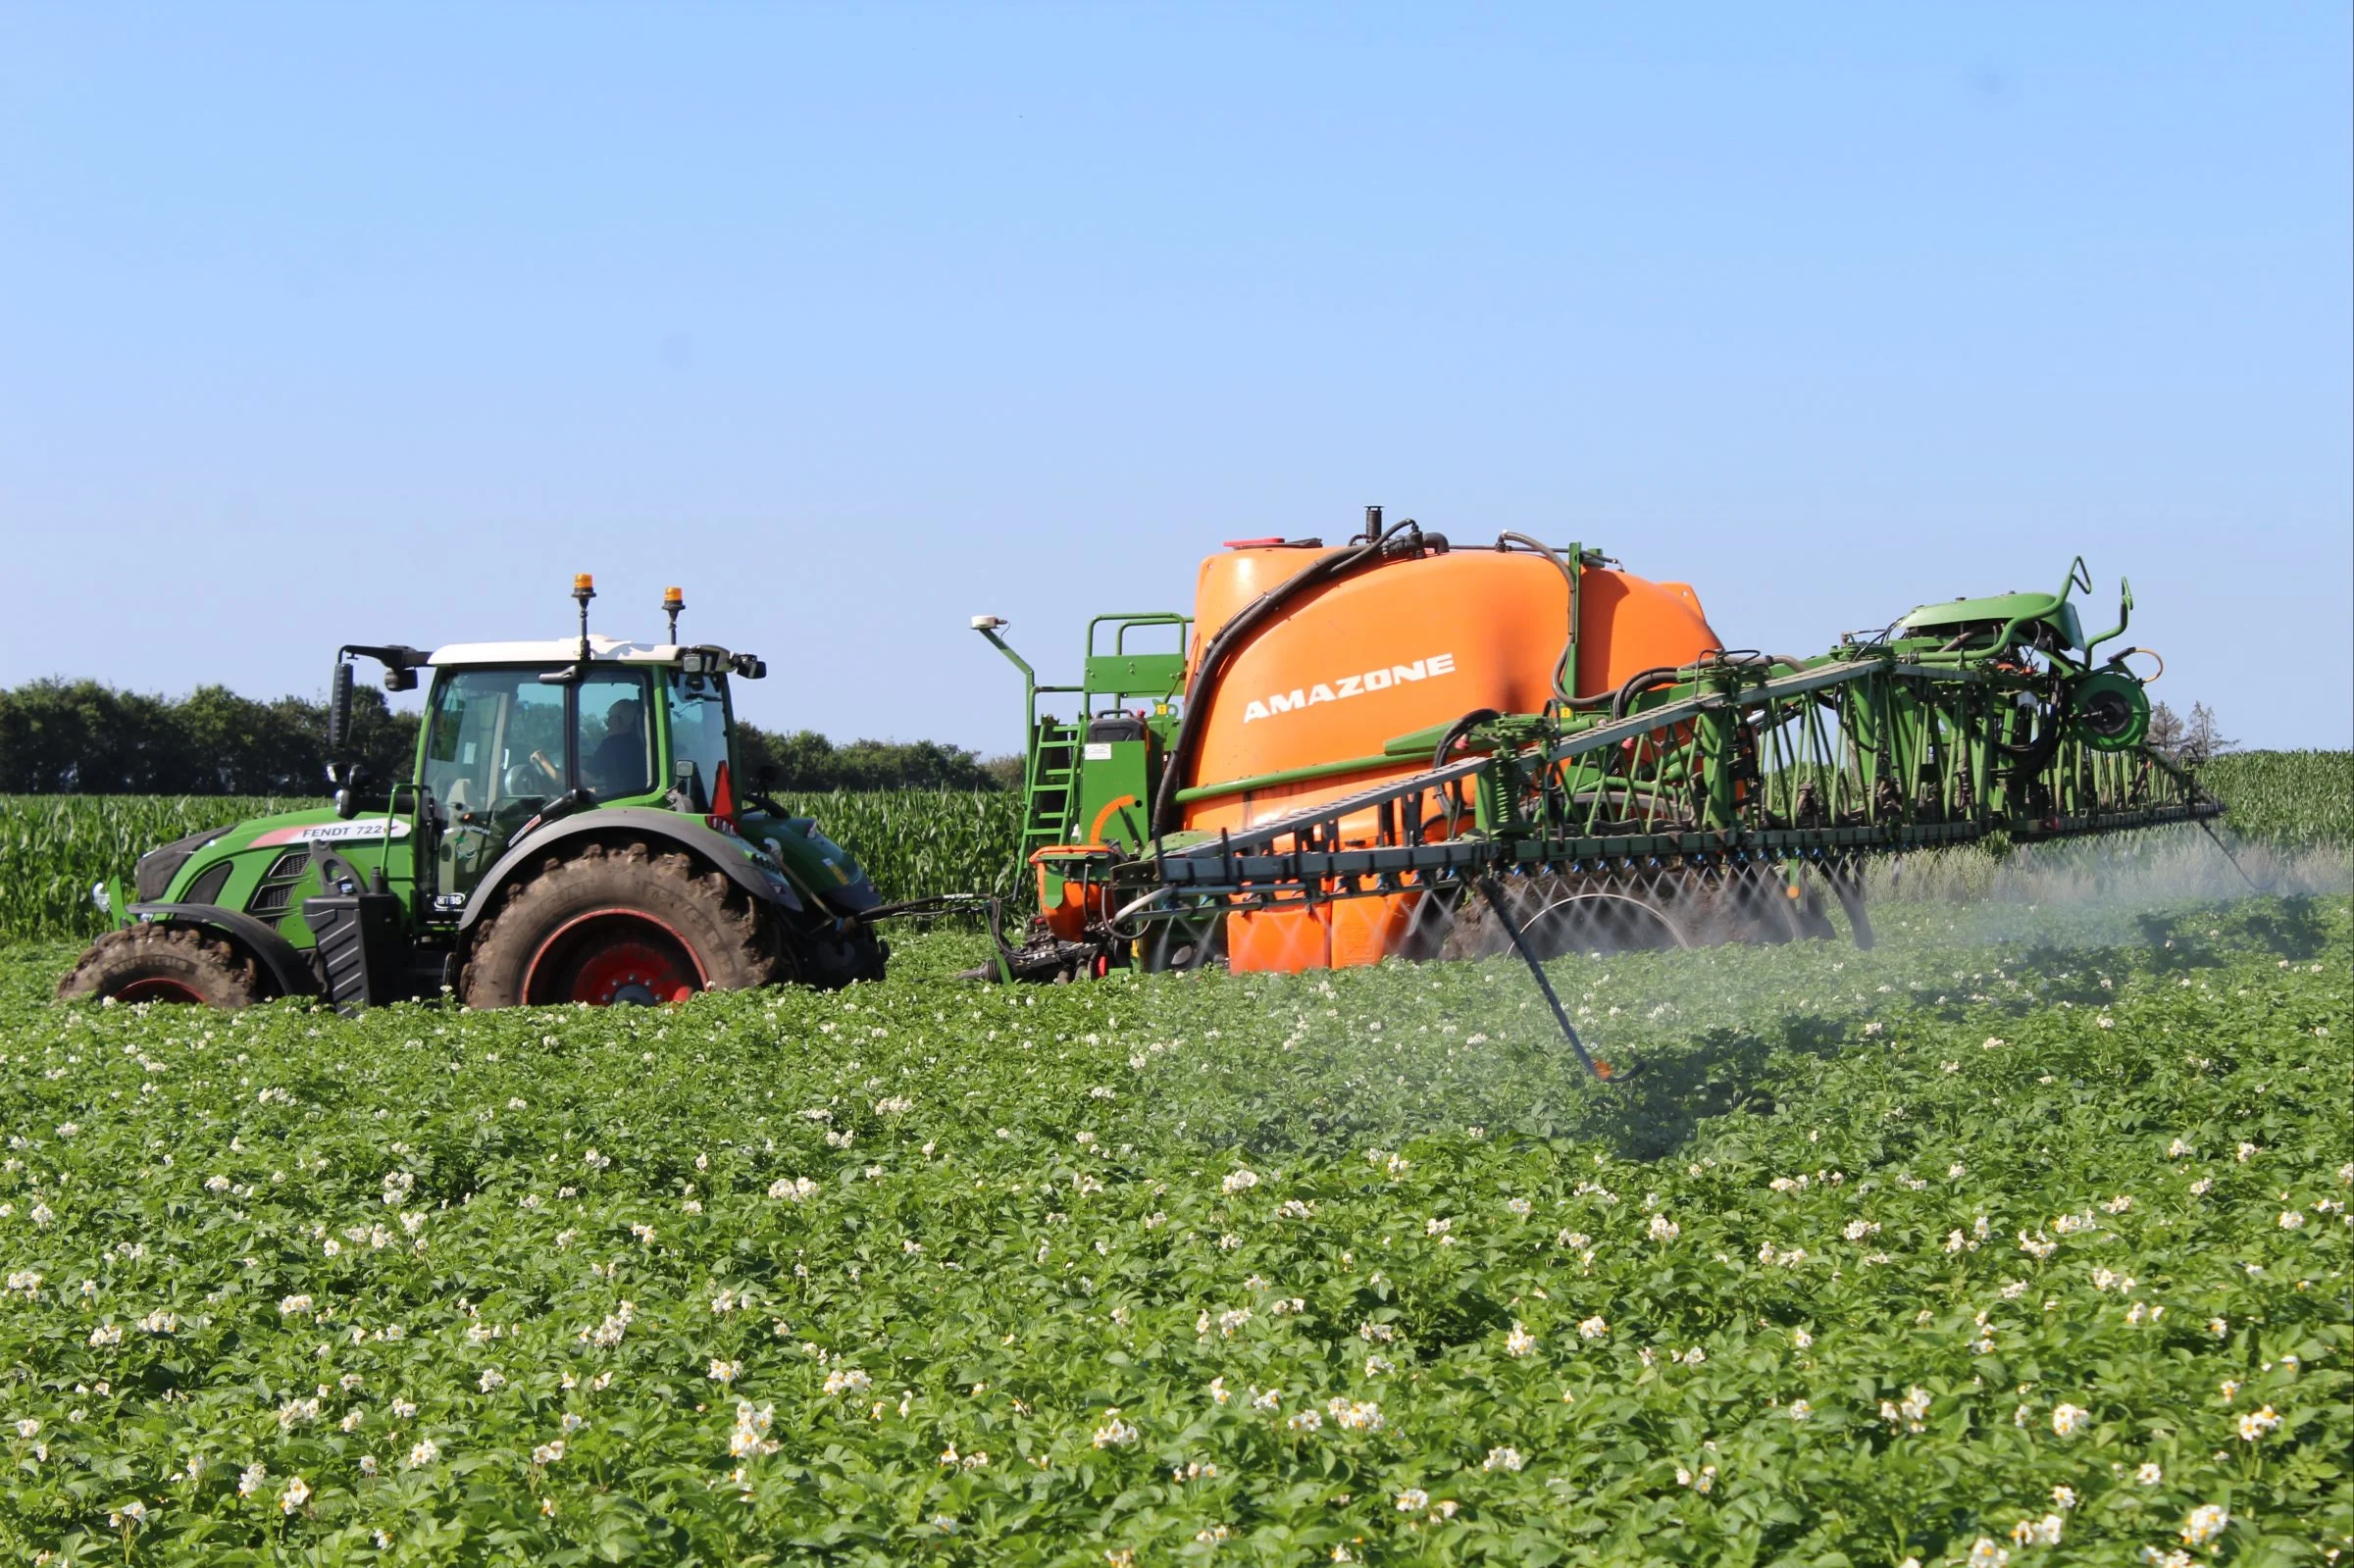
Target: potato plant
1959	1251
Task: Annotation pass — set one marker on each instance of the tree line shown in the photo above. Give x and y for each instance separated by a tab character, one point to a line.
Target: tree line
86	737
61	737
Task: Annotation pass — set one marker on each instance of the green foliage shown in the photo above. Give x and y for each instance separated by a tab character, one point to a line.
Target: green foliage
54	847
86	737
925	1273
806	761
79	736
2287	797
918	842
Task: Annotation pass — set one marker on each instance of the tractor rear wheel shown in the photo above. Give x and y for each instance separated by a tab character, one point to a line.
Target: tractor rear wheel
617	925
151	963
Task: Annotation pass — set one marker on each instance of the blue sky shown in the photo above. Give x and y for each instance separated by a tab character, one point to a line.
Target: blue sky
366	322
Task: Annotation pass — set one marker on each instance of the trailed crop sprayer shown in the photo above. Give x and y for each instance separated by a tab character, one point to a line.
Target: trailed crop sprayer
1401	747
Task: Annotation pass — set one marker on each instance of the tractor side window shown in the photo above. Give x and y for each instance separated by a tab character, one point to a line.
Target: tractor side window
495	739
617	757
699	729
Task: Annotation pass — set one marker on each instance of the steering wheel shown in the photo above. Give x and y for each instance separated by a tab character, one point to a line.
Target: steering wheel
524	779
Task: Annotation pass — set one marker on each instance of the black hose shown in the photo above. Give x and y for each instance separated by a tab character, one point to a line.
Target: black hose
1636	686
1211	670
1561	666
1456	732
2037	754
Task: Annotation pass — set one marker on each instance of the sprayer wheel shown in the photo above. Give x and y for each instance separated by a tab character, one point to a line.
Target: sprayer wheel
618	924
165	963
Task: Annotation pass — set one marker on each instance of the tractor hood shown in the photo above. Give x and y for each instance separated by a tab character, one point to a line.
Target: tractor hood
261	866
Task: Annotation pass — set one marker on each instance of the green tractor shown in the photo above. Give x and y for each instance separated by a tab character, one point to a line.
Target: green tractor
575	830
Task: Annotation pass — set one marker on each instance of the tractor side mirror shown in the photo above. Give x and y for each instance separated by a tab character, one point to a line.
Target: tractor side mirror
339	711
687	788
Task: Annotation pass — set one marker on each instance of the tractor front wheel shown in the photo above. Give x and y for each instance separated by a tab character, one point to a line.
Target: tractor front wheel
152	963
615	924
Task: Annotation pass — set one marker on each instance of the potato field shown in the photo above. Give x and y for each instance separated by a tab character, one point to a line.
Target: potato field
2021	1238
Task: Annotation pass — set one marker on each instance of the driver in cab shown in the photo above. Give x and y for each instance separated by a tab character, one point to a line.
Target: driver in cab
617	766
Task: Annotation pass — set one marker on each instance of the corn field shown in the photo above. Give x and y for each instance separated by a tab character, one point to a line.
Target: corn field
54	847
912	843
2287	797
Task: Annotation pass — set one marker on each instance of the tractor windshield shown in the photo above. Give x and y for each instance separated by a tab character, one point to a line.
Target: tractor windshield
496	740
497	744
698	731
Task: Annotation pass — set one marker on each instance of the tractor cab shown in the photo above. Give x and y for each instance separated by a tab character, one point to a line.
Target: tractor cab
518	733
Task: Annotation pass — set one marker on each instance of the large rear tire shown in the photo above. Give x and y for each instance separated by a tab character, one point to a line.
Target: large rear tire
618	924
161	963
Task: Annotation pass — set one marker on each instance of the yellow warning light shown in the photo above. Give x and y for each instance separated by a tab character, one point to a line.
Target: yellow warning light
673	596
583	582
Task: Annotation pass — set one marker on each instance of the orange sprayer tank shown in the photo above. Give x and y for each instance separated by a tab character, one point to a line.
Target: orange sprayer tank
1383	652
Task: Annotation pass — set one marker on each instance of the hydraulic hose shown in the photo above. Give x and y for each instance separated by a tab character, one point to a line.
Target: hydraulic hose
1231	636
1637	685
1458	730
1670	674
1561	666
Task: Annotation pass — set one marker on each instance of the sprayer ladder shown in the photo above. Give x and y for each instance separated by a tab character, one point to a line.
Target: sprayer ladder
1053	786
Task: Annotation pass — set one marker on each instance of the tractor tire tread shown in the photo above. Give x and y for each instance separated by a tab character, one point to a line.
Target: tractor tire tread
215	969
725	928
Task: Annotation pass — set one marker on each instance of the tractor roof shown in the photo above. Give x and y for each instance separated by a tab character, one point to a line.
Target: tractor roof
557	650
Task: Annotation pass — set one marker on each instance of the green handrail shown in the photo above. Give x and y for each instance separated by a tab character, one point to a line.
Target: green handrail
1289	776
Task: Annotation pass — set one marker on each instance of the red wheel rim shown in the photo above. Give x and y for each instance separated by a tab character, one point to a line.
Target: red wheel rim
630	971
158	990
611	958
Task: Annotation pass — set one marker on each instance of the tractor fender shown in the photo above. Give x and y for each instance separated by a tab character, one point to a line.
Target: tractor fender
762	879
288	966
